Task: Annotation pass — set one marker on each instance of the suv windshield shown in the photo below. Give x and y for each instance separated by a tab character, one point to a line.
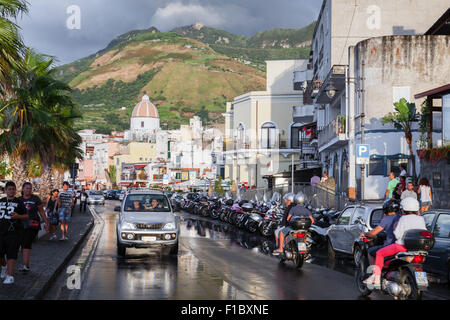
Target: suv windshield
147	203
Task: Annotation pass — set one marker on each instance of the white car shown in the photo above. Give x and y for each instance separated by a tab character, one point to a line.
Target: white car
146	220
96	197
122	195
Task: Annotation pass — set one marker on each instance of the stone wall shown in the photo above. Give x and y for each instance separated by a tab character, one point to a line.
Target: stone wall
441	194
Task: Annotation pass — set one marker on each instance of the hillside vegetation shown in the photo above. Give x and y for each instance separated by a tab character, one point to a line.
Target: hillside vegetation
190	71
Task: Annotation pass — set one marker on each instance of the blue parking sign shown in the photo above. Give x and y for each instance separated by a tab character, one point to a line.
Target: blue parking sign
362	154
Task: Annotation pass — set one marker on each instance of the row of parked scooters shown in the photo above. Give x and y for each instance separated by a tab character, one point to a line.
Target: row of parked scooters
259	215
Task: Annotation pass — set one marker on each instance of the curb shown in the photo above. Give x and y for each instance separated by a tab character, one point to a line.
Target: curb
43	290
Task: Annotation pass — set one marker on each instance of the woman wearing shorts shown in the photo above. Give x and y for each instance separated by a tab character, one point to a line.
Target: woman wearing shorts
425	195
35	211
52	212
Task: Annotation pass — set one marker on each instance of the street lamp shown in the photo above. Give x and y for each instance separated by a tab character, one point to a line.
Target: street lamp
330	91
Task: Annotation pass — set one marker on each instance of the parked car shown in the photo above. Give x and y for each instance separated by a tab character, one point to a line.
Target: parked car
121	194
141	225
111	195
343	236
96	197
438	259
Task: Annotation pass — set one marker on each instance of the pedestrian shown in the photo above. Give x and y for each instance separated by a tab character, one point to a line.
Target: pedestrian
403	175
52	212
397	194
325	177
391	186
83	200
35	211
315	180
409	192
426	199
65	204
12	213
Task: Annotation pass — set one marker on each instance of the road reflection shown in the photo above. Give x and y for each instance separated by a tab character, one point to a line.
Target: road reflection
194	226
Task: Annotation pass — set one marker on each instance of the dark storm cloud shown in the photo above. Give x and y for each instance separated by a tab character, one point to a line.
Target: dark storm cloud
45	29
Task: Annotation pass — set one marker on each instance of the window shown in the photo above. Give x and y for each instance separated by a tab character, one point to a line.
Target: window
376	167
241	133
142	124
268	135
394	165
147	203
437	180
344	219
360	212
442	229
377	215
296	136
429	217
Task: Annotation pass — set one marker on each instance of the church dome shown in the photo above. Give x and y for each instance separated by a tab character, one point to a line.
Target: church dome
145	109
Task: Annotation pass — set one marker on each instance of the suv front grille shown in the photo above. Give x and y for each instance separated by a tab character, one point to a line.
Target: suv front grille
151	226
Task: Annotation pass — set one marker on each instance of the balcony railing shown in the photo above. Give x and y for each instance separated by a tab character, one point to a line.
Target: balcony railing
333	133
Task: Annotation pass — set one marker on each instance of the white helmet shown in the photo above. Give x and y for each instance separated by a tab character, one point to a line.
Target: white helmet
289	196
300	198
410	204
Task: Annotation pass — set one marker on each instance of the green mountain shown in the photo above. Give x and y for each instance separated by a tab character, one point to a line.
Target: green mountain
276	44
191	71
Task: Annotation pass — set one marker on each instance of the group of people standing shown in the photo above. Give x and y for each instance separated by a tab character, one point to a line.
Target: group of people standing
20	222
400	189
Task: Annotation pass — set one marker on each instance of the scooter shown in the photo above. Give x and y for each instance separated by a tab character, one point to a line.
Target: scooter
297	244
402	275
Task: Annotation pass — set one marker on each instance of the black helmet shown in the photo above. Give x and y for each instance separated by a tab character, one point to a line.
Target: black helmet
391	205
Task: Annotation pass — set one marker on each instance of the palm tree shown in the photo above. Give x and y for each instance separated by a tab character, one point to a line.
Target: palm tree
402	119
38	119
11	45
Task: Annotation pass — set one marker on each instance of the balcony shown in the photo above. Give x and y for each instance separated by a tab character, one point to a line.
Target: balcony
301	78
333	136
303	114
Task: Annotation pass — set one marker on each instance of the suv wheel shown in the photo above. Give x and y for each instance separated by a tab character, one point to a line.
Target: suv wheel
174	249
121	250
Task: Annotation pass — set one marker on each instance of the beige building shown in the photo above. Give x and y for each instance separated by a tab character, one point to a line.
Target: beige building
259	137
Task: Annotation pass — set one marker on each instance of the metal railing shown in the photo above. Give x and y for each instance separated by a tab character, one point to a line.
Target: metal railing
318	196
334	129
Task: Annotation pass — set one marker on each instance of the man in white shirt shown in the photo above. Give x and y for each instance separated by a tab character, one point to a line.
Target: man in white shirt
409	192
408	222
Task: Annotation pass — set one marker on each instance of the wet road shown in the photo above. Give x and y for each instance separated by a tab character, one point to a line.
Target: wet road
215	261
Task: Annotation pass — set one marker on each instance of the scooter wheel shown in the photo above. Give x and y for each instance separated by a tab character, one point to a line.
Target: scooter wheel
359	278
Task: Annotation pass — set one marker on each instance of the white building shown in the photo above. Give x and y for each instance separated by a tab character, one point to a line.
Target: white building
338	81
144	122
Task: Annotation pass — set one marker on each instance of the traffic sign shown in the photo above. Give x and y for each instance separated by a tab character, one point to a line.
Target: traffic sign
362	154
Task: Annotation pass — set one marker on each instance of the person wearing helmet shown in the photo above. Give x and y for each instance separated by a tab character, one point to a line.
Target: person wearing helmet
410	221
297	210
392	213
289	201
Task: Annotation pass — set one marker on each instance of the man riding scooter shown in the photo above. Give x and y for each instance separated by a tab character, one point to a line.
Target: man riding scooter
410	221
298	210
392	213
289	201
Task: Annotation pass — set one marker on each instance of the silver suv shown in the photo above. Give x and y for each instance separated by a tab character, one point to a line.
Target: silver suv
146	220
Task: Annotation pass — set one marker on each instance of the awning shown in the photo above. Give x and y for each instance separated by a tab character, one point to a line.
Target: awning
139	166
125	184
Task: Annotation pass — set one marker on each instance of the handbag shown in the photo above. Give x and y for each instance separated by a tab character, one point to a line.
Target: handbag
34	224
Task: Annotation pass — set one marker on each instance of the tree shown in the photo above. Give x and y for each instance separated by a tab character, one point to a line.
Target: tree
5	170
11	45
39	120
112	174
402	119
218	186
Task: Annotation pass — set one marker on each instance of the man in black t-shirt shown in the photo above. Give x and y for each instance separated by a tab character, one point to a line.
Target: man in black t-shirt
12	213
34	207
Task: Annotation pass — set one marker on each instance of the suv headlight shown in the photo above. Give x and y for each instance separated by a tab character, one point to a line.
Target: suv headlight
128	226
169	226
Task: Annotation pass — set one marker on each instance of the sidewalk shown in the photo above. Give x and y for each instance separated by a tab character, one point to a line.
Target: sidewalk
48	259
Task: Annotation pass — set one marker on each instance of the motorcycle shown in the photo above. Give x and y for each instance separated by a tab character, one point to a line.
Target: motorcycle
297	244
402	275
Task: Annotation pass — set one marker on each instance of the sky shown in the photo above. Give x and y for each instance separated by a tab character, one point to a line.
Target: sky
73	29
